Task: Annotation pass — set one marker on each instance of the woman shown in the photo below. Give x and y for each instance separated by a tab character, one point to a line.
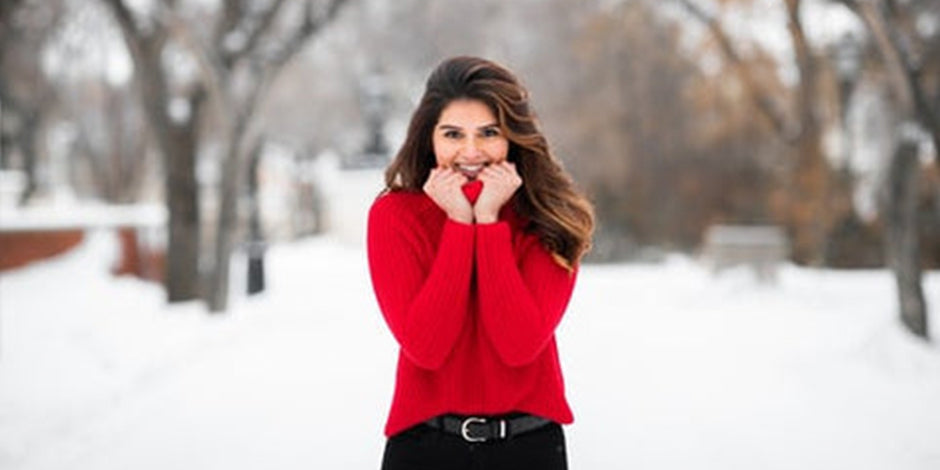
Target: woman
473	250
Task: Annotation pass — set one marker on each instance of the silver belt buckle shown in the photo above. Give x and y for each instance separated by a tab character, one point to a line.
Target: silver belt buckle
465	429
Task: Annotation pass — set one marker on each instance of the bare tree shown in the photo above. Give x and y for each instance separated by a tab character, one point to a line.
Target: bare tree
176	137
815	202
237	60
238	65
25	92
902	241
892	30
645	132
894	35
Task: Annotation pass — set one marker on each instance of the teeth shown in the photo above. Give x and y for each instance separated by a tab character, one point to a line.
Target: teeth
477	167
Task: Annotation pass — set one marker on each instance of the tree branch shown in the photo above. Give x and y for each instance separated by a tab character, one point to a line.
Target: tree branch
905	76
212	67
125	22
806	64
760	98
311	25
145	51
267	70
229	19
265	19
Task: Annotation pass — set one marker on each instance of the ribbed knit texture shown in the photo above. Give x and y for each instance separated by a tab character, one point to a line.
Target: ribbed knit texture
474	309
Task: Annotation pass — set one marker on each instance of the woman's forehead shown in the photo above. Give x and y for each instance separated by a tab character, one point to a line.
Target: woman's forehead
467	113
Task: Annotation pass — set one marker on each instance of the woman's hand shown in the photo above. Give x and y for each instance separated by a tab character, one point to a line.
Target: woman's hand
500	182
443	187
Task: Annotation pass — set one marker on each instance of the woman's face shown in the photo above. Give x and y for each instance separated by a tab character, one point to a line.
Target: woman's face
467	138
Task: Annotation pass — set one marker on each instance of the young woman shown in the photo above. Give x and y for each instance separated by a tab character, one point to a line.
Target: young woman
473	250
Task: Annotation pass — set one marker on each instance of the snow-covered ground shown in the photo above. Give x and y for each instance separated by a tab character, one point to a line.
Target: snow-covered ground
667	367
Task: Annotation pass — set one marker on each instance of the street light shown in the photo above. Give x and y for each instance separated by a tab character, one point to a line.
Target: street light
847	59
375	102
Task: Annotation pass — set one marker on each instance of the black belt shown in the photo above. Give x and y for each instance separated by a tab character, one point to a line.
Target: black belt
483	428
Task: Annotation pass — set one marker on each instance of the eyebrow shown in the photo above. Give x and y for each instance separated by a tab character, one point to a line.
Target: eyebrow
458	128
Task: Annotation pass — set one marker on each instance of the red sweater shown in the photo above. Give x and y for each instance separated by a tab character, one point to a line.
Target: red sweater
474	309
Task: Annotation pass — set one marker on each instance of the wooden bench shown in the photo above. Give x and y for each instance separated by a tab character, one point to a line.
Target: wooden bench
761	247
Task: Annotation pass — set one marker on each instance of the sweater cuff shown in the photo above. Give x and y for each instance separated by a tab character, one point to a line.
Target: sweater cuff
491	238
457	230
455	251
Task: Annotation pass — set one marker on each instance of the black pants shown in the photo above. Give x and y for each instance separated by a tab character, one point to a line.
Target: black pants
425	448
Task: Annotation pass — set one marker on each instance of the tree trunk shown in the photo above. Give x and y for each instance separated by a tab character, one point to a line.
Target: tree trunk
27	144
177	143
812	209
816	201
19	127
903	248
182	196
226	228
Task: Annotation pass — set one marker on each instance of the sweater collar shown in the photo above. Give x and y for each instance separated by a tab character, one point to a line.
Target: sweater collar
472	190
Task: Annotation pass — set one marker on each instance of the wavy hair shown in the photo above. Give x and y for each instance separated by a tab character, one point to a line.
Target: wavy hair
555	211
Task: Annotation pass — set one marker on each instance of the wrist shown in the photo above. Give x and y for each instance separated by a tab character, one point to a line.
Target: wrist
485	216
464	218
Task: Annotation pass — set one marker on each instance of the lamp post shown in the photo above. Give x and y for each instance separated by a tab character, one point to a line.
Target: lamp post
847	58
374	101
256	245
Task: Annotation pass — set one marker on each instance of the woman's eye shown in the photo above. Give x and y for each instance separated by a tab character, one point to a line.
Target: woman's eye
490	132
451	134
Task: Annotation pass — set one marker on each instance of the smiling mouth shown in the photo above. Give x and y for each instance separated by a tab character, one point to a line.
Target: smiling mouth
470	171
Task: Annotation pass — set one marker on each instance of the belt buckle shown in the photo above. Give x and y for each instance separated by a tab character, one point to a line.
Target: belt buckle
465	429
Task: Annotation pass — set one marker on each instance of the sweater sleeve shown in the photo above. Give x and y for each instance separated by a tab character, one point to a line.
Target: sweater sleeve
423	298
521	302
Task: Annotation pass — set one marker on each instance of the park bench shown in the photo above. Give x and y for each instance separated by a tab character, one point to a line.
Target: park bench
760	247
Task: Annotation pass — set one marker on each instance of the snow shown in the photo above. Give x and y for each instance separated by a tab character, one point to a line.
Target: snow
80	215
666	367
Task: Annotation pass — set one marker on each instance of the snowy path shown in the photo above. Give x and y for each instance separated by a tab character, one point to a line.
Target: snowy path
666	368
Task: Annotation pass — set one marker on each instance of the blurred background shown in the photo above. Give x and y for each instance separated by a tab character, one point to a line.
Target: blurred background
784	136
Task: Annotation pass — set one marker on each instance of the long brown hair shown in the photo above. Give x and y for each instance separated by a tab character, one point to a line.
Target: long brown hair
562	217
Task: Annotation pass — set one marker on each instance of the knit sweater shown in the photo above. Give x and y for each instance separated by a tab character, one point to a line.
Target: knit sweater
474	309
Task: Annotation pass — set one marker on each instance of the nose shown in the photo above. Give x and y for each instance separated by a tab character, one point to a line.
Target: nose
472	150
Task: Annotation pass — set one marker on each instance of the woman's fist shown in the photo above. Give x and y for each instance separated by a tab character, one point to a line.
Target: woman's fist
500	182
443	187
